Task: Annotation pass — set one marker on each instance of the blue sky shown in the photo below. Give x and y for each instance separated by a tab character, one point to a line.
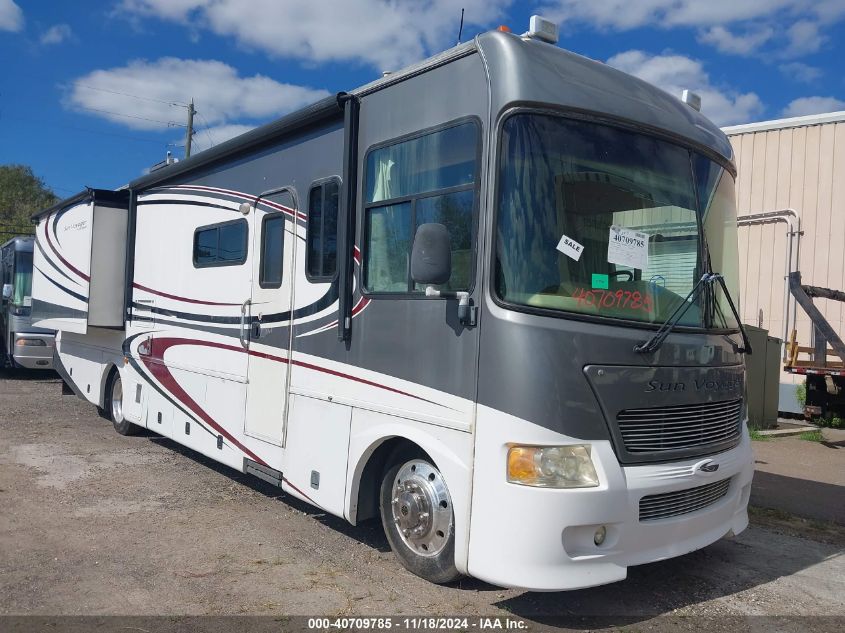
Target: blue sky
90	91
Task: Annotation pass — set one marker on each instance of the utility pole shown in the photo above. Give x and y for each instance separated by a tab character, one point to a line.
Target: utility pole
189	133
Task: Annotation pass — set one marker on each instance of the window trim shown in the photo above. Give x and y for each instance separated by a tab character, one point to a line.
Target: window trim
321	183
264	220
474	186
218	263
599	119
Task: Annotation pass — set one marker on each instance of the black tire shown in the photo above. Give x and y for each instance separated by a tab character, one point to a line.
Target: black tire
430	554
114	406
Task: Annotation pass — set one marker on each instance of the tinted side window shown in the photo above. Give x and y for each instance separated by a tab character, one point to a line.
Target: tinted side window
428	179
321	248
222	244
272	251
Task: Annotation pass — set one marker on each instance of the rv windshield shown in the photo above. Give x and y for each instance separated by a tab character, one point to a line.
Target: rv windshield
23	280
601	221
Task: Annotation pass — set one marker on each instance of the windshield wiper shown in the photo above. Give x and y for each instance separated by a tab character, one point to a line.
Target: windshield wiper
706	281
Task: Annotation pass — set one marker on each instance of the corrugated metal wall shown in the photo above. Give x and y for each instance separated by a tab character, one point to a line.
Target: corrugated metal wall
802	168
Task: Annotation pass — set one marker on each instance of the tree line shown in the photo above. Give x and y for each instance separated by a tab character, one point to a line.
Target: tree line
22	193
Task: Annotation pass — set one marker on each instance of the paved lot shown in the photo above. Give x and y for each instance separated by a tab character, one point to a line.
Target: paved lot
801	477
95	523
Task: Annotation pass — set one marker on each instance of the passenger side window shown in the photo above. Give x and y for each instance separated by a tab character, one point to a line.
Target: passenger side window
222	244
429	178
272	251
321	247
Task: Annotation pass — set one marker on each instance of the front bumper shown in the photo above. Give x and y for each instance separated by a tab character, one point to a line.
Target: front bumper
34	356
542	539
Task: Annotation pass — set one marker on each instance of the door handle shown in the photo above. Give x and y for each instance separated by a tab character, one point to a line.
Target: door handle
243	333
255	331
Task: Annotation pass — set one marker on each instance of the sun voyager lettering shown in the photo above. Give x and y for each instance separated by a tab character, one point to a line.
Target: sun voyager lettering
704	384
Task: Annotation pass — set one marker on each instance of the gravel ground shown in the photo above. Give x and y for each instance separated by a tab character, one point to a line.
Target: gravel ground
98	524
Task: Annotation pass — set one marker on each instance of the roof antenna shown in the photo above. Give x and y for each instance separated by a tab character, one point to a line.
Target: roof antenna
461	28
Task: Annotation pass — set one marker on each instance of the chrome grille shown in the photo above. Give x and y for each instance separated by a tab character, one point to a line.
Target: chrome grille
672	504
679	427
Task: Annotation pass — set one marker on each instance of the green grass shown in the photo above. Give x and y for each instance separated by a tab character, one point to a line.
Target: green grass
801	393
756	436
812	436
834	422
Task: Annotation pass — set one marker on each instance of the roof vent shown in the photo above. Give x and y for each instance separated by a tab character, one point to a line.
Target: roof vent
540	28
691	99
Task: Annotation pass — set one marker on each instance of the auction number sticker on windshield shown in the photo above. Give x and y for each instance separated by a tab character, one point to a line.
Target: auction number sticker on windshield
627	248
570	248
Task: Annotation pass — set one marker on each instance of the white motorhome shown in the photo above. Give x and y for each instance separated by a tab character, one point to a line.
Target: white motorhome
21	344
485	299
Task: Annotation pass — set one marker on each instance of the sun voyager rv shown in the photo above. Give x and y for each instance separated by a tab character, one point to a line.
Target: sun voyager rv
484	299
21	344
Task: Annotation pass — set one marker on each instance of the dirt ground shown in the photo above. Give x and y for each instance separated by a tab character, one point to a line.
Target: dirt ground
95	523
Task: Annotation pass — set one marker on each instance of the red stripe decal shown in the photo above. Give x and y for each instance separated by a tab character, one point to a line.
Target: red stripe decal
160	345
163	375
246	196
287	481
178	298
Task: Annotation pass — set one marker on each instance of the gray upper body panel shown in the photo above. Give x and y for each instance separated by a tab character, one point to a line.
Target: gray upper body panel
530	71
533	366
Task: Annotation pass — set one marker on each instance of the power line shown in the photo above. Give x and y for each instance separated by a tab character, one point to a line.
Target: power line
207	133
134	116
82	129
126	94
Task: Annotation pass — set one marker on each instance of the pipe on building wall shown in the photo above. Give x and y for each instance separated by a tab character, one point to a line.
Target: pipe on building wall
793	221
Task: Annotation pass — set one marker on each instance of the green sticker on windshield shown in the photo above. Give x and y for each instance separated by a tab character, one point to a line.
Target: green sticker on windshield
600	281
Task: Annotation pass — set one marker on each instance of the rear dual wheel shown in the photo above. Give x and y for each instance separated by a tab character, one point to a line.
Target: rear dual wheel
417	515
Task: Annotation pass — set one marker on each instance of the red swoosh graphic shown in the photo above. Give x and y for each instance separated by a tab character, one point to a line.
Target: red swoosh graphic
178	298
246	196
163	375
160	345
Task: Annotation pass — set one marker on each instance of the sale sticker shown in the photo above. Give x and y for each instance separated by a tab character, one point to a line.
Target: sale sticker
627	248
570	248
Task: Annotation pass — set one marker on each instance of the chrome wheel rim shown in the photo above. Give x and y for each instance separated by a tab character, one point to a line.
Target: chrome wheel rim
421	508
117	400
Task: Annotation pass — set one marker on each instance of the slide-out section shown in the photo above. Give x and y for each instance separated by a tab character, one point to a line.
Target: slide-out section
80	262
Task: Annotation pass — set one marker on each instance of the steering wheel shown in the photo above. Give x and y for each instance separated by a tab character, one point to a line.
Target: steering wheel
619	273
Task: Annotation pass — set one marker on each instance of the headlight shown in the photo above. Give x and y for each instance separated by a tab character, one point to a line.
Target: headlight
30	342
552	466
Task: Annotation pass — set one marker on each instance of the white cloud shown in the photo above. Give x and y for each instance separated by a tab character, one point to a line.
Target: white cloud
384	33
220	94
673	73
800	71
11	16
56	34
727	42
799	22
804	38
813	105
624	14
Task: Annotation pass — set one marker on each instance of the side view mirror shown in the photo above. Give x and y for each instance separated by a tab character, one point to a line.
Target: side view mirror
7	291
431	255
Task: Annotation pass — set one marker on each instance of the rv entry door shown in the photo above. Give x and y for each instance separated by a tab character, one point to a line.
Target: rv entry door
266	330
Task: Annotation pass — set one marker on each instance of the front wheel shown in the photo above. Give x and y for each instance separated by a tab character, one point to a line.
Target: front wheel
417	515
114	406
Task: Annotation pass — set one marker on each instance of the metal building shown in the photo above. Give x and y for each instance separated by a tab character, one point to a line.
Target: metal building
794	166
